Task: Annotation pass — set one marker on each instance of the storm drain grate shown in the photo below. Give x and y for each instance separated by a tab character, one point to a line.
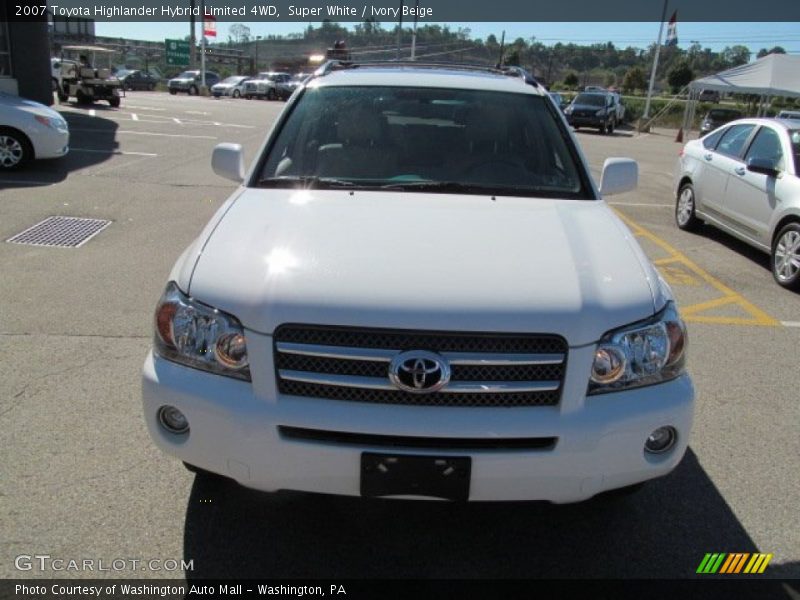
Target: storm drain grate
61	232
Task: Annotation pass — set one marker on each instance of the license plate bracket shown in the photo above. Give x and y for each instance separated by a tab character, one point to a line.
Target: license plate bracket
446	477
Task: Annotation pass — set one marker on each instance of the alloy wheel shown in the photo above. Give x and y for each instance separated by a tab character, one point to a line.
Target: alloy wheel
685	206
11	152
787	256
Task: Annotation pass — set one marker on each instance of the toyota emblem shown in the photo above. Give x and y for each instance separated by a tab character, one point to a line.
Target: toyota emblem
419	372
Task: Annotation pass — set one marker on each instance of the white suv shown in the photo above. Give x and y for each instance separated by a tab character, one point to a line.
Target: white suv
417	291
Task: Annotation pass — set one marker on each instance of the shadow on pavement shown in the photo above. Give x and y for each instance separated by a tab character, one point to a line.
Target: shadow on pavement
712	233
662	532
92	141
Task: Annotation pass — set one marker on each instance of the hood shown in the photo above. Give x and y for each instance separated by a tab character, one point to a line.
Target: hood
23	104
424	261
587	107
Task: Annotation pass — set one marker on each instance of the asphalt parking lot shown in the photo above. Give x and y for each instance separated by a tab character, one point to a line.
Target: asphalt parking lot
80	479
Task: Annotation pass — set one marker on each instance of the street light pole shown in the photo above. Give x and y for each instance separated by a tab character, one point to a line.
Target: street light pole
258	37
655	62
400	29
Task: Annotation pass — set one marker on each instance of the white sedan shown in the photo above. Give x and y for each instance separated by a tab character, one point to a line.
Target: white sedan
29	130
743	179
230	86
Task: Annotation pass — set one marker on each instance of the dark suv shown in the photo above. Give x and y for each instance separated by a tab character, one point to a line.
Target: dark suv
717	117
190	82
593	109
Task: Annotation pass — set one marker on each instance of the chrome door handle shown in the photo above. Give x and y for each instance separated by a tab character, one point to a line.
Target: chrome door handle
740	170
708	156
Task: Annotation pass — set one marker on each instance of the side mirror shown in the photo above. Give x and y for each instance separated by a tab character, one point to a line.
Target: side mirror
620	175
227	161
762	165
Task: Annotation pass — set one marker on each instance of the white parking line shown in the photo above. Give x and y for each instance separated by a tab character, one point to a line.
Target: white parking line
790	323
175	135
178	121
134	116
143	107
123	152
217	124
195	112
640	204
92	112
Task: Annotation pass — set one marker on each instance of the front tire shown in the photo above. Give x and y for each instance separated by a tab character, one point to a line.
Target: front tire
173	92
193	90
114	102
271	94
685	217
15	149
82	98
236	94
786	257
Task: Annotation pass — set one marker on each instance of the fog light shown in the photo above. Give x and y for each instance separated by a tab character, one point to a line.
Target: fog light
661	440
172	419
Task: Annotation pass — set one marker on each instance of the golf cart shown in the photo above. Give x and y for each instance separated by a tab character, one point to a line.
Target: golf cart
82	80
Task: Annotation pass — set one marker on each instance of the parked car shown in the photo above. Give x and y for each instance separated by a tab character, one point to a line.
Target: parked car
230	86
743	179
379	357
138	80
265	85
789	114
717	117
593	109
708	96
287	87
29	130
558	99
190	82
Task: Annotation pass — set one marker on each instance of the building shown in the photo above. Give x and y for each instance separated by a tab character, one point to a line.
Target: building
25	57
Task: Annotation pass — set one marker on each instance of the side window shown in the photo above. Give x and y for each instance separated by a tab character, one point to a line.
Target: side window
733	140
767	145
710	141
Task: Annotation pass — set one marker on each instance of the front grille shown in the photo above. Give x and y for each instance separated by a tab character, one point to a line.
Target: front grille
487	369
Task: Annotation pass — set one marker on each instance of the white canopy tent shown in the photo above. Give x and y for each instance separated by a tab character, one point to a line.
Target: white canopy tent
772	75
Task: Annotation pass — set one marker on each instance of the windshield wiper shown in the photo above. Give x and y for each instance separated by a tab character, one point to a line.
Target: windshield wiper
449	186
305	181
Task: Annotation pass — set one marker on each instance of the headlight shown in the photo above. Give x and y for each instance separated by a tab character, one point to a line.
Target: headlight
52	122
199	336
568	110
600	112
645	353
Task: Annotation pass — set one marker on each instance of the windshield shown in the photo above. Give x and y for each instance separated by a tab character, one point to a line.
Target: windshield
424	139
232	80
794	137
591	99
187	75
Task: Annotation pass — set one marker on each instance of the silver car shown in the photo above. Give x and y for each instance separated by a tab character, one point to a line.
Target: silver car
743	179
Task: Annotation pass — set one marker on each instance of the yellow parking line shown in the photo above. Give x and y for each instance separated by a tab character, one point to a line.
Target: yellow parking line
729	296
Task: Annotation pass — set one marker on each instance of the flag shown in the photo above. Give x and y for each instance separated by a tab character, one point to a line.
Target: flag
209	25
672	31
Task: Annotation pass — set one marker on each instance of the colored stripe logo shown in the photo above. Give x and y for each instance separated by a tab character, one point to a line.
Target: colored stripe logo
734	563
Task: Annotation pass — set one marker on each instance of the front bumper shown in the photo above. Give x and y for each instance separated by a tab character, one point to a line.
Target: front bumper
48	142
586	121
234	432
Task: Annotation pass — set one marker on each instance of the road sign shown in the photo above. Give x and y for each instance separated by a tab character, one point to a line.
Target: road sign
177	52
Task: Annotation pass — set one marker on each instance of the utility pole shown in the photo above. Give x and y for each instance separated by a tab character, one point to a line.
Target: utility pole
203	45
655	62
399	30
192	39
258	37
502	49
414	34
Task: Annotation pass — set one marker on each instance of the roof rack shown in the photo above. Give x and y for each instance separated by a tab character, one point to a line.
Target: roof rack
340	65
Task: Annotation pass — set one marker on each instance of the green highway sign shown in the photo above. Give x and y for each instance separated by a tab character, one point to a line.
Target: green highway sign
177	52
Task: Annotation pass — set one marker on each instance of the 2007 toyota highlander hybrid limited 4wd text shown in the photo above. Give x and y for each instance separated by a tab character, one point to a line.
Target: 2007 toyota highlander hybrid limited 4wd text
418	291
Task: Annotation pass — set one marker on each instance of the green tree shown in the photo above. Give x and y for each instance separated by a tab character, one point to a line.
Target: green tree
571	80
679	75
774	50
634	80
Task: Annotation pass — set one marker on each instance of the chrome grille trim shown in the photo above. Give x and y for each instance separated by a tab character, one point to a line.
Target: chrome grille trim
384	355
454	387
